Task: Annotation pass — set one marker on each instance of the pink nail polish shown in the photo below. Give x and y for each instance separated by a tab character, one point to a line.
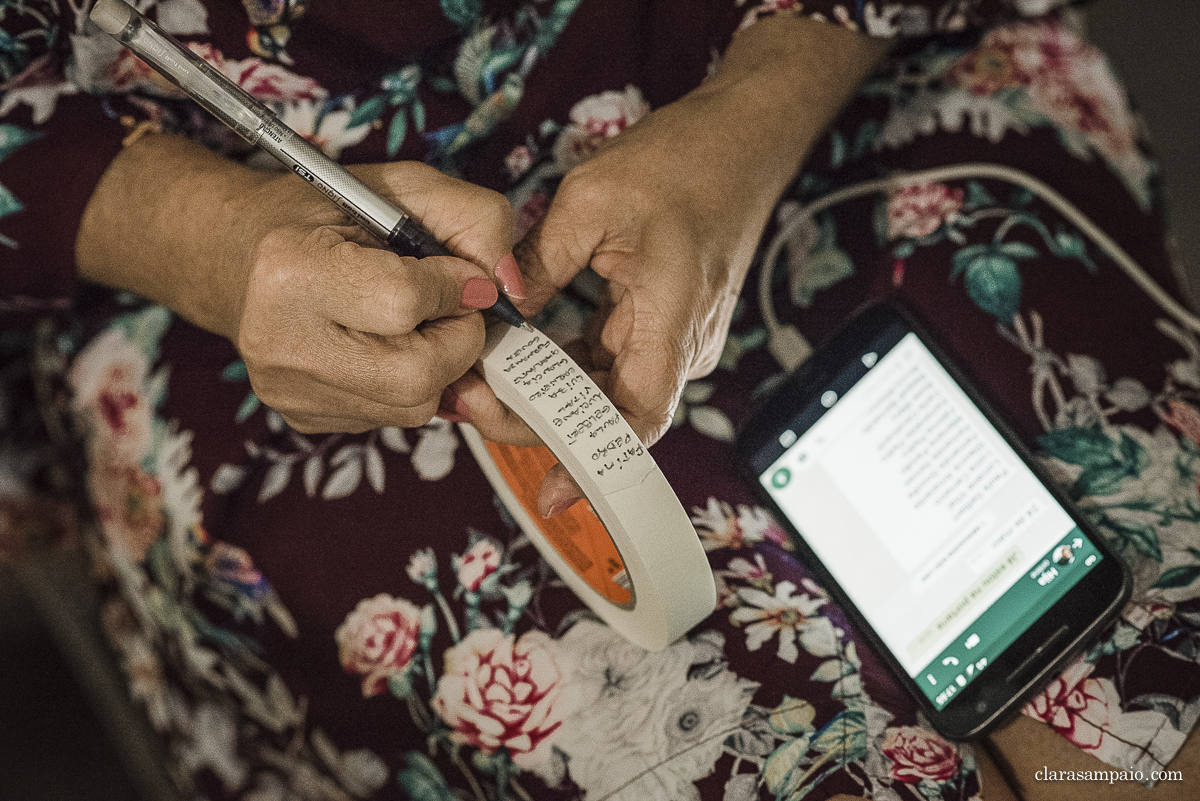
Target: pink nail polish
479	293
461	409
451	407
510	278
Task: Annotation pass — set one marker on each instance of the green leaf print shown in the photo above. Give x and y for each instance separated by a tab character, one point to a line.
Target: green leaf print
1176	577
235	371
844	735
1134	455
462	13
553	23
994	283
1104	467
1071	246
977	197
1018	250
500	60
963	258
865	139
422	781
396	132
13	137
418	115
1098	480
368	112
1086	447
400	684
248	407
782	769
1141	537
8	202
837	148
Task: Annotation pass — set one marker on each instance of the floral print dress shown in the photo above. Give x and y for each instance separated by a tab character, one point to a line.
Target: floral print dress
337	616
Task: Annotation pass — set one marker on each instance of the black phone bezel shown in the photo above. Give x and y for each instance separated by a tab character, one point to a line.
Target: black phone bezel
1044	648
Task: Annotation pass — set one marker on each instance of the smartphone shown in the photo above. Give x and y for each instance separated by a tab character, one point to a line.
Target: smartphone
929	521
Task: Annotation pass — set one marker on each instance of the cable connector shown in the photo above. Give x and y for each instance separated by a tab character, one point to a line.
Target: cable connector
789	347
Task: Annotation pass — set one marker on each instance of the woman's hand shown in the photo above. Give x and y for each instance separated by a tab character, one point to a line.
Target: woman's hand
670	212
337	333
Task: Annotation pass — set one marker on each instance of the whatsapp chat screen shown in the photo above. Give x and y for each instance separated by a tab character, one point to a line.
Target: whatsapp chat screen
942	537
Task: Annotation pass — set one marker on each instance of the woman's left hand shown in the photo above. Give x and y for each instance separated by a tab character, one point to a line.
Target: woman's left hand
670	212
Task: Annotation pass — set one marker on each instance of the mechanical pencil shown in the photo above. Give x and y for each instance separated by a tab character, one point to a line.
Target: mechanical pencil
259	126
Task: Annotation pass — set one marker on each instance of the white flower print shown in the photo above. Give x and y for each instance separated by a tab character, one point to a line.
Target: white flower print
646	725
328	131
213	745
792	617
720	526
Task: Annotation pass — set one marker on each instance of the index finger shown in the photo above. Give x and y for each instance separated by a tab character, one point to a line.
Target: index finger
376	291
472	221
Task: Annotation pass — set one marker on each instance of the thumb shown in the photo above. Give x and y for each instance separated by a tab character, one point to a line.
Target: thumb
554	251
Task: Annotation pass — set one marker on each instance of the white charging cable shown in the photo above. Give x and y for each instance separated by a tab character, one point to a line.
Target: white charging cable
790	348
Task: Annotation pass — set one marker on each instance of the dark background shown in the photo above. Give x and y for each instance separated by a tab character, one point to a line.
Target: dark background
52	740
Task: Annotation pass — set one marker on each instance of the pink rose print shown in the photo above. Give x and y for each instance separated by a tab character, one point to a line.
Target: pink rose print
915	211
500	692
594	120
1088	99
918	754
378	639
129	504
108	379
1068	80
477	564
1075	705
1016	55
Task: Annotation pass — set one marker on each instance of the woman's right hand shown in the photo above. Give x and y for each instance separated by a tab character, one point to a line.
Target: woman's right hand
337	333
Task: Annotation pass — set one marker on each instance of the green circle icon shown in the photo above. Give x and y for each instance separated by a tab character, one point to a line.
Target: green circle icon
781	477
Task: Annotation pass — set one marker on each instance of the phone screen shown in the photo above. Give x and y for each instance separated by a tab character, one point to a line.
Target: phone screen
948	544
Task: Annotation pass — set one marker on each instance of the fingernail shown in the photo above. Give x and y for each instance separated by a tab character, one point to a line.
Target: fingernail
461	408
510	277
479	293
557	507
452	408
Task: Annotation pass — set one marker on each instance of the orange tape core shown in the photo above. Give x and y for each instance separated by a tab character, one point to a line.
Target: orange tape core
577	534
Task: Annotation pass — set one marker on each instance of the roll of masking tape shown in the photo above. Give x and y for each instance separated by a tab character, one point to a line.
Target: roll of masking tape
630	553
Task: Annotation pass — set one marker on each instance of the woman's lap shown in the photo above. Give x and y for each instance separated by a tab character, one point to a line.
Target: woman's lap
352	613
